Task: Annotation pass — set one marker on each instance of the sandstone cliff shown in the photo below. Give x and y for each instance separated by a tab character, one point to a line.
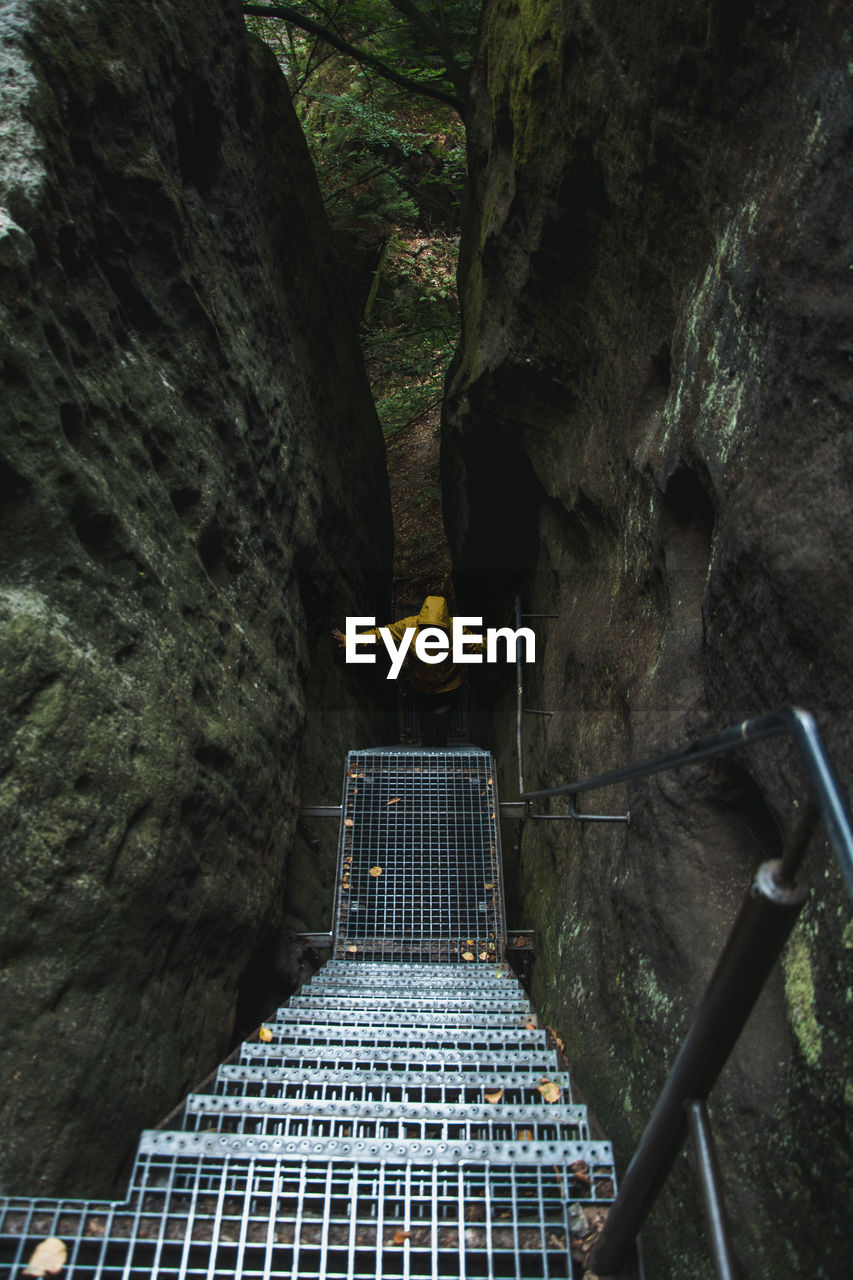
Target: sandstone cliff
647	430
193	492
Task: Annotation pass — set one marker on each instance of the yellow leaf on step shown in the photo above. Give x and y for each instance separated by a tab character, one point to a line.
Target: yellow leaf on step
395	800
48	1258
375	871
484	955
400	1236
467	955
549	1089
265	1034
493	1095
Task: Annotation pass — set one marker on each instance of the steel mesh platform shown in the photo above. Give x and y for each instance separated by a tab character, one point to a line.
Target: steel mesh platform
420	871
261	1217
409	726
403	1116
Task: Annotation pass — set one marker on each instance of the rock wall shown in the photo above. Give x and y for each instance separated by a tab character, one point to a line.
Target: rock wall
647	431
192	491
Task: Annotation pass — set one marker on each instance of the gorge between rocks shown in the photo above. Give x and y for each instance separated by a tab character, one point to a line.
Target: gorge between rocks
645	431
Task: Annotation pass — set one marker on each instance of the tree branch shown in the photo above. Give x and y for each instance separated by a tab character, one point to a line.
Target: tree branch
360	55
438	35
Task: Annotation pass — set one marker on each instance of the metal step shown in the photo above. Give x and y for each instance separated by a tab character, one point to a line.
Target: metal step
429	1004
366	1058
393	1037
597	1156
461	979
521	1086
243	1215
389	970
308	1118
345	1017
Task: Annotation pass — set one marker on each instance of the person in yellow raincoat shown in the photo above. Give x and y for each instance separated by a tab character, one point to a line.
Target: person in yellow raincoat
435	686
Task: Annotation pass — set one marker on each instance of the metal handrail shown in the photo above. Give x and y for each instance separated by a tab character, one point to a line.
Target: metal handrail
768	914
797	723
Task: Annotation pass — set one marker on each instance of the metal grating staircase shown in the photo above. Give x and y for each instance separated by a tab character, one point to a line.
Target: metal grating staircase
407	1117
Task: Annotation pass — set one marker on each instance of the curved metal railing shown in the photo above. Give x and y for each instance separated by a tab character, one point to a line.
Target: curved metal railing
766	918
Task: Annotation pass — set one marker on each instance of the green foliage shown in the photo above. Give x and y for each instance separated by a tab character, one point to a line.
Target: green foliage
414	328
407	370
391	165
425	47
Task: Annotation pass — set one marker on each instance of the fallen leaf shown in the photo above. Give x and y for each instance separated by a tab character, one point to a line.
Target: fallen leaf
525	1135
549	1089
352	950
49	1257
400	1236
520	941
467	955
348	822
470	942
493	1095
265	1034
375	871
530	1025
580	1170
490	885
395	800
484	955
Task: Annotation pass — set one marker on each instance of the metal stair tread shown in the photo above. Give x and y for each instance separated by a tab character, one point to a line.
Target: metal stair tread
402	1037
431	1112
544	1060
362	1018
433	1086
178	1141
437	1004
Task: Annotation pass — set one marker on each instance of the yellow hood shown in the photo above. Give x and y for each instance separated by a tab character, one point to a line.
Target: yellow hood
434	613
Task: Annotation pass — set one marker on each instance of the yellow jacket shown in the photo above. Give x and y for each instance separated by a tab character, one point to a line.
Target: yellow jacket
439	677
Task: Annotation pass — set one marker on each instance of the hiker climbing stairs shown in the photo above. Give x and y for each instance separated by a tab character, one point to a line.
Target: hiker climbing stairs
402	1115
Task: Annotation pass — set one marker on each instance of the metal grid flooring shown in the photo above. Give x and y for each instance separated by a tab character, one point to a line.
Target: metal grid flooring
420	858
409	726
405	1118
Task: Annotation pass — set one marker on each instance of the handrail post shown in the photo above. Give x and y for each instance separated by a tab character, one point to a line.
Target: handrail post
766	918
519	696
722	1255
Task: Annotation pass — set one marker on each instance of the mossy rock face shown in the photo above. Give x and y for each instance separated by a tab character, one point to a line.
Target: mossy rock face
192	492
647	433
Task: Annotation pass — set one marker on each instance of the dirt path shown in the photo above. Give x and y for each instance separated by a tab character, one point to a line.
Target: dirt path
421	553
